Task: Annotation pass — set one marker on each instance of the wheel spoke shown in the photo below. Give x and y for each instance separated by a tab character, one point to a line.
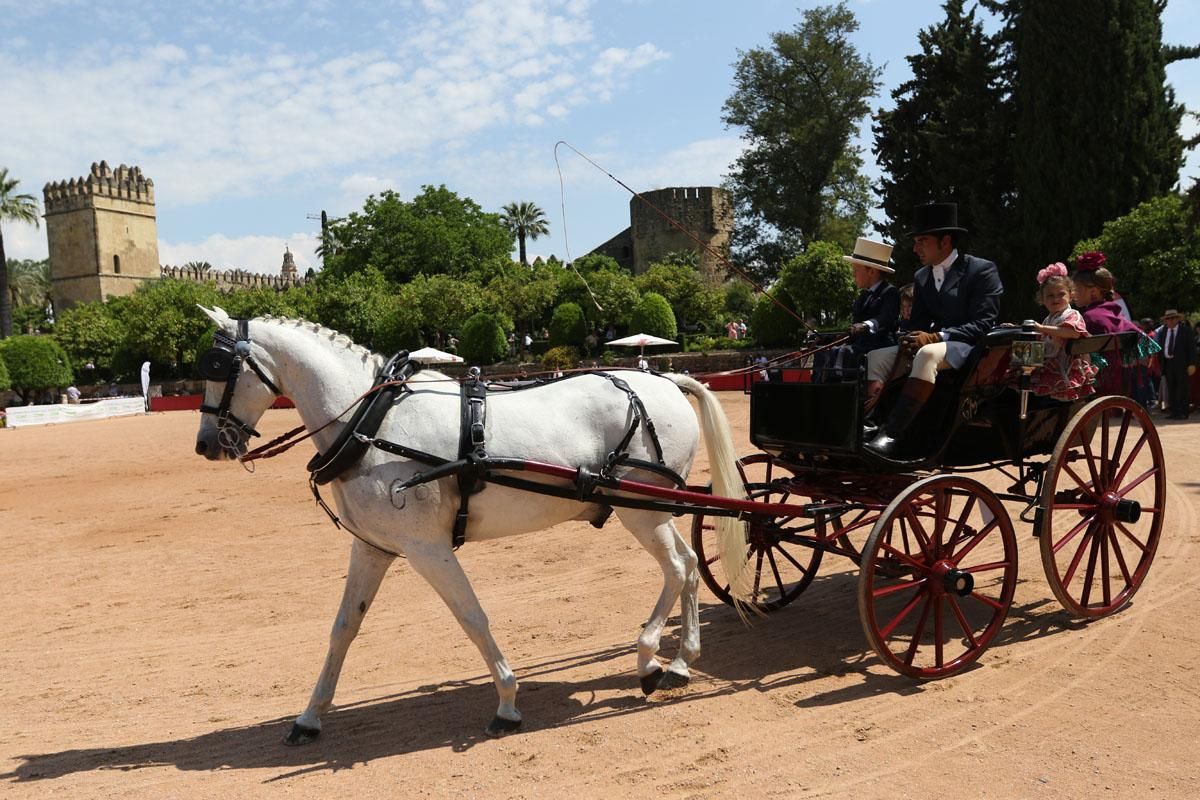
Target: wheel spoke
1087	540
1089	574
968	507
1133	538
1116	548
1137	448
1061	543
886	630
1084	485
911	652
976	539
1138	481
904	557
775	572
978	568
1091	463
941	512
996	604
899	587
919	532
1104	575
788	556
939	631
1125	420
962	621
758	562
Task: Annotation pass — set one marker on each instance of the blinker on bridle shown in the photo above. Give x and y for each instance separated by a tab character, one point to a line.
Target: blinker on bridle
223	362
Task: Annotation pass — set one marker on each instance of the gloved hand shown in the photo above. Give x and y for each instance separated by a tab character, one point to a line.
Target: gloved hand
915	340
859	328
1191	370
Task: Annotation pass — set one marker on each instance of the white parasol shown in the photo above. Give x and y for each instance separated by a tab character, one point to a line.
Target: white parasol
431	355
639	340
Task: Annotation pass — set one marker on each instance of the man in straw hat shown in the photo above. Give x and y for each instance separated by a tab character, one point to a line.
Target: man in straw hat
1178	361
956	300
874	314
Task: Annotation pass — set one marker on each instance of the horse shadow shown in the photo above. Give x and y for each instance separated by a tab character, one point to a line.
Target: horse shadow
814	638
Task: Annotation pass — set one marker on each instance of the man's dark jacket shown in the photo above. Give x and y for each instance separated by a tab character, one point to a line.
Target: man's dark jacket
881	307
968	304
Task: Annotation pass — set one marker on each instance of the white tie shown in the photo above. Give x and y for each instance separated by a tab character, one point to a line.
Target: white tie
939	275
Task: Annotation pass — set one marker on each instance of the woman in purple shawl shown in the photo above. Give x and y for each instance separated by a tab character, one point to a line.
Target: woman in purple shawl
1102	314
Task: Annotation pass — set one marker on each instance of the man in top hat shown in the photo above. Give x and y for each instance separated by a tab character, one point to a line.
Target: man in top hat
956	300
875	312
1178	361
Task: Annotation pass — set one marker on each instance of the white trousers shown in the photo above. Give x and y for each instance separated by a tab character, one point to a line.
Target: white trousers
926	363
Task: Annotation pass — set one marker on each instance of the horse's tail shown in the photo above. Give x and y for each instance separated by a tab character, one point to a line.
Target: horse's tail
727	482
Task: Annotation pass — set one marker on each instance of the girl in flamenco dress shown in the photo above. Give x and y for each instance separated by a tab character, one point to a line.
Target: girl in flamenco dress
1062	376
1102	314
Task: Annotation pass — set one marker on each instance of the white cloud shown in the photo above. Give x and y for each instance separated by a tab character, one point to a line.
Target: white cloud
263	254
24	241
700	163
206	124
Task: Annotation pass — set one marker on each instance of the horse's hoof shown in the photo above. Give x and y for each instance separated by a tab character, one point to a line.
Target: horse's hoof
651	680
301	734
500	726
673	680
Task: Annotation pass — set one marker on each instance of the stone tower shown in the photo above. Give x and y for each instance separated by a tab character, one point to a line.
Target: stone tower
288	270
102	234
706	212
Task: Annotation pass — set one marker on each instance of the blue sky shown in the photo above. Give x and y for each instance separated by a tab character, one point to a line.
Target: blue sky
250	115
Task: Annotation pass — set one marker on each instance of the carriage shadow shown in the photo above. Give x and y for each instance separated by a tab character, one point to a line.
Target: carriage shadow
820	636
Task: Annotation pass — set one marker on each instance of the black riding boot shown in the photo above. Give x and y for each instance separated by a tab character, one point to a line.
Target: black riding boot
912	399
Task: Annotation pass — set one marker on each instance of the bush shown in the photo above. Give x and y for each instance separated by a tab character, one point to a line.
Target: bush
35	364
5	381
560	357
819	282
91	332
567	326
772	325
653	315
483	340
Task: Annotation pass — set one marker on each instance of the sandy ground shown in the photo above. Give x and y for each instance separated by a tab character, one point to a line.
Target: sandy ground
165	619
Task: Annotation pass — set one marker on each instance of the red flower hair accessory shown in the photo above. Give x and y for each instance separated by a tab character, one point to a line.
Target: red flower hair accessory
1090	261
1057	269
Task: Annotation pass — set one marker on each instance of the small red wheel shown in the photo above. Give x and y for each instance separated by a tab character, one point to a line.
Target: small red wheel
1103	501
784	566
938	574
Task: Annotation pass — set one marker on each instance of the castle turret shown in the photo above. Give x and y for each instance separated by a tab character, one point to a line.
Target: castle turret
102	234
288	270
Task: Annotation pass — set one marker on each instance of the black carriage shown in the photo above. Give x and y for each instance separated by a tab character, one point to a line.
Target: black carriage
936	548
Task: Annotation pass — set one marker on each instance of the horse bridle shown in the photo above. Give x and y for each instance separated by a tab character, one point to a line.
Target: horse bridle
223	362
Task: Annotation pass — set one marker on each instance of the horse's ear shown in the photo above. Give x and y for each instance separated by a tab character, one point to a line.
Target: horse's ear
216	314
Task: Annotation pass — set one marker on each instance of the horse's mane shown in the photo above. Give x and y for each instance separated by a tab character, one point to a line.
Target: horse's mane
335	337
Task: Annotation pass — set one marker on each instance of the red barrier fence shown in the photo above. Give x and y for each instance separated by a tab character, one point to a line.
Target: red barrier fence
192	402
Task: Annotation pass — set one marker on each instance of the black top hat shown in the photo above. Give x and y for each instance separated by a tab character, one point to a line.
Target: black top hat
936	218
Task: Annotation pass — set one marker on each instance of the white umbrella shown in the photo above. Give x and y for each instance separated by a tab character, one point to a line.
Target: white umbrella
640	340
431	355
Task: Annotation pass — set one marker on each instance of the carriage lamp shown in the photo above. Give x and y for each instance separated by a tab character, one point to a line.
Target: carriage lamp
1027	355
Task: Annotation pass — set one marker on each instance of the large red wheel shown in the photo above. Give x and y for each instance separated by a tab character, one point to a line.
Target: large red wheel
784	565
1102	507
938	574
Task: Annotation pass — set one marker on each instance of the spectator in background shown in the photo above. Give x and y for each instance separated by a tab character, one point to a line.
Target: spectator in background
742	328
906	301
1178	362
1093	285
731	330
73	395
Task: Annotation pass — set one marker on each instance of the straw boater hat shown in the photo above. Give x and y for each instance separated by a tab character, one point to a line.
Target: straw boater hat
1171	313
875	255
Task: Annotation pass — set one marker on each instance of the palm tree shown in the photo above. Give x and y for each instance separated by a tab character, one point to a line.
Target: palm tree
525	221
29	282
22	208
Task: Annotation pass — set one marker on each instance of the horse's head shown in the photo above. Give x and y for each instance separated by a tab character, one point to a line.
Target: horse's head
236	393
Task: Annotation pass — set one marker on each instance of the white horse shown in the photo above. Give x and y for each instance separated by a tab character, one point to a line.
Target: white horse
576	422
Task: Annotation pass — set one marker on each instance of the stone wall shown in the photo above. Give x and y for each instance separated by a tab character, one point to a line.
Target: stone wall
705	212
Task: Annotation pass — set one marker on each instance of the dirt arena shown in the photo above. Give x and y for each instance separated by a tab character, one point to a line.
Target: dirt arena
165	619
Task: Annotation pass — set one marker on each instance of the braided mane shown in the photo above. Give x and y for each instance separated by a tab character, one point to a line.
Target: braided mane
320	331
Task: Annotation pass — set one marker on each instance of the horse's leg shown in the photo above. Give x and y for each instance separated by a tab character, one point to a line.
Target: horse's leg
689	615
437	564
367	568
659	537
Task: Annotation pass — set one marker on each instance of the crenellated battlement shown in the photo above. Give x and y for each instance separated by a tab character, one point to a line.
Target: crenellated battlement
124	183
232	279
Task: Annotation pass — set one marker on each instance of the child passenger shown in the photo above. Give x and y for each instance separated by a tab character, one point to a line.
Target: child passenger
1062	376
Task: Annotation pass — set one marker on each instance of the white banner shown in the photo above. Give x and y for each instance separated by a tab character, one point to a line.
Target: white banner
19	416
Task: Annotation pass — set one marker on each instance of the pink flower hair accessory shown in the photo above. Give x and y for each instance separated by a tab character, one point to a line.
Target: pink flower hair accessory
1090	261
1055	270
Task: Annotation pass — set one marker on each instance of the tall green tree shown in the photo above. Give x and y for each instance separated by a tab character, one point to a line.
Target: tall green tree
949	137
799	103
18	208
29	281
1097	127
525	221
819	283
438	232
